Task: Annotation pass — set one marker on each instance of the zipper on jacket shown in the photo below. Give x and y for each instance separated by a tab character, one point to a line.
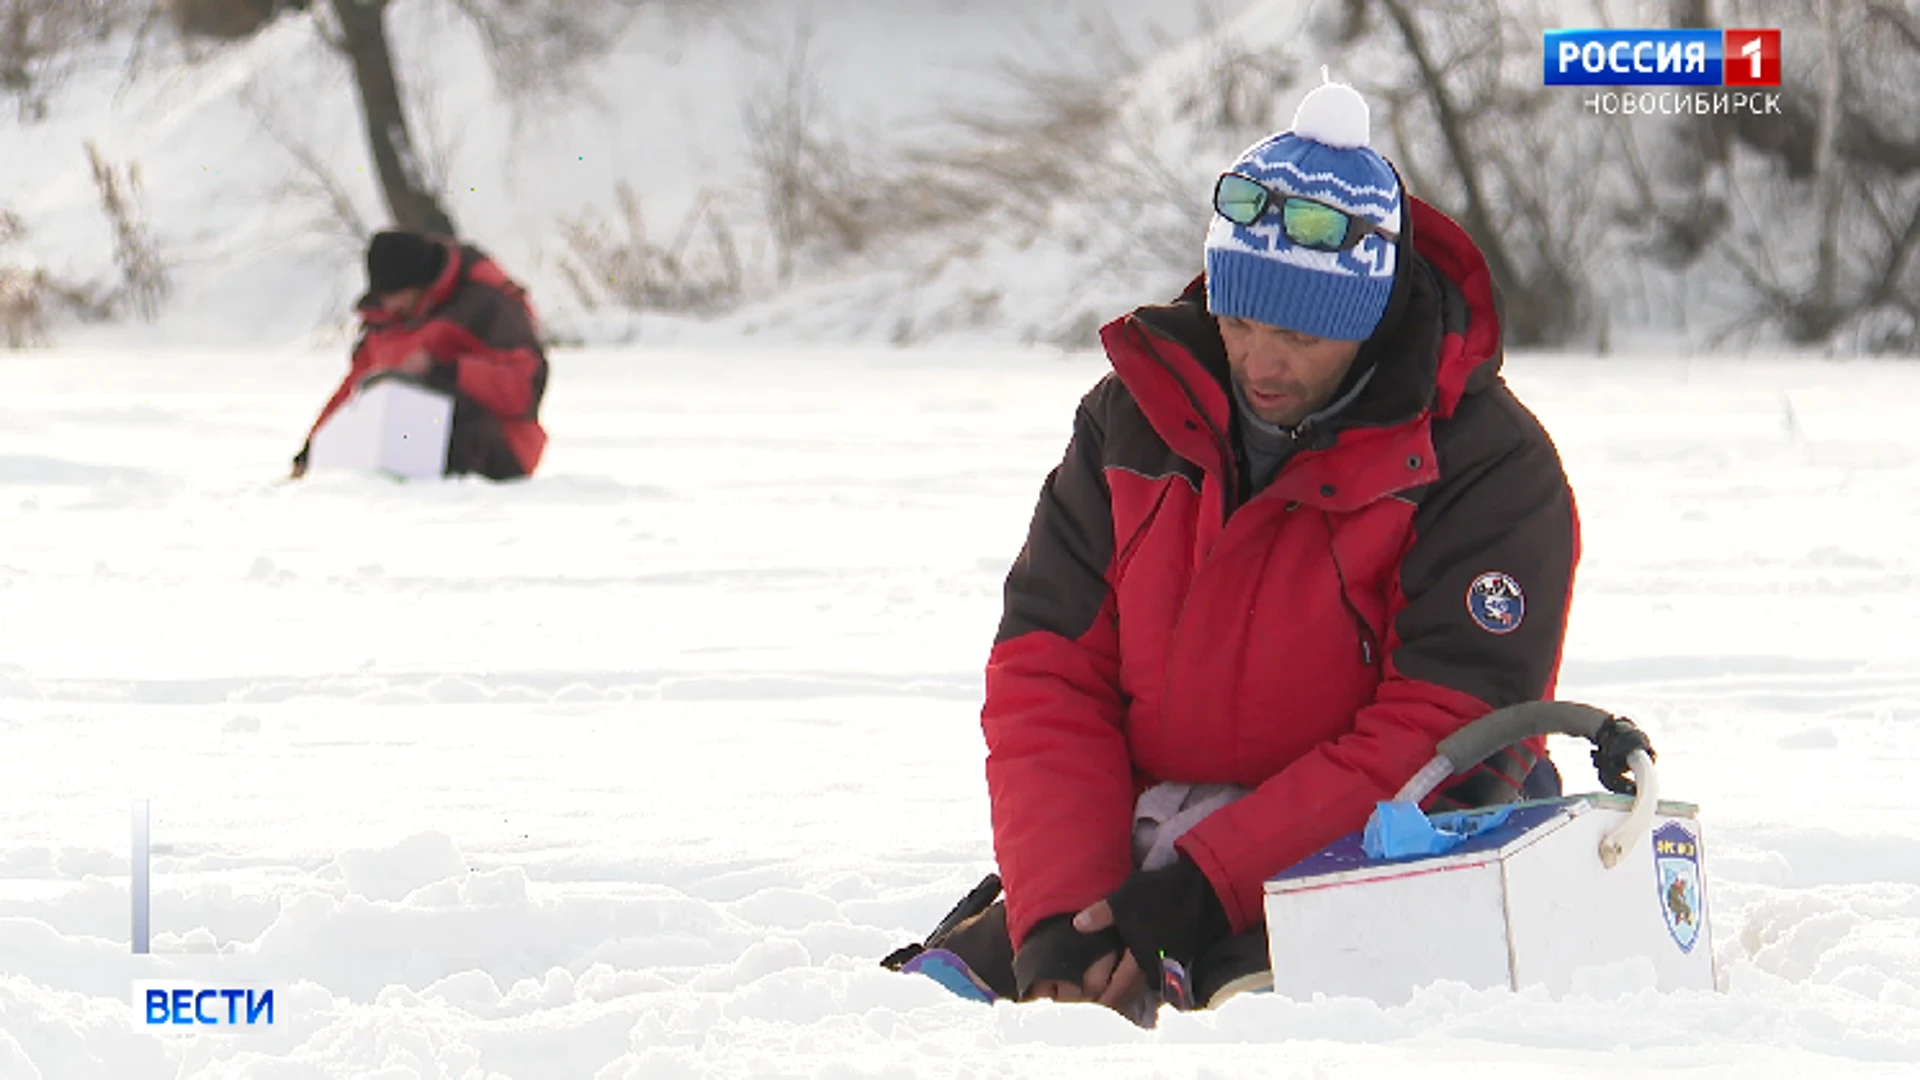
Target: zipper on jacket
1367	644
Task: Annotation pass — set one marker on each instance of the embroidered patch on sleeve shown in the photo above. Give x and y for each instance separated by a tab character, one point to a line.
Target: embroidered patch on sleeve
1496	602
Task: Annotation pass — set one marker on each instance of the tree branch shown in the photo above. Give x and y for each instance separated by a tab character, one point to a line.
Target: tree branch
1897	259
1896	18
1478	215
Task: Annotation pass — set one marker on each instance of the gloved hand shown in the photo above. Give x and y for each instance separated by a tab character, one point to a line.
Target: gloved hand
1616	739
1056	959
1170	913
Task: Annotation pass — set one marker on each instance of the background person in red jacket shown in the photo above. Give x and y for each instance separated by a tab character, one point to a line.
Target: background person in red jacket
444	313
1302	532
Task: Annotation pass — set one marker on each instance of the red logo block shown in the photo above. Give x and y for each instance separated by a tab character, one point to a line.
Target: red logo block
1751	58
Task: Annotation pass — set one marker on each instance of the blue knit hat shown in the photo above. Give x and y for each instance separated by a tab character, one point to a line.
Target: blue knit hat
1255	272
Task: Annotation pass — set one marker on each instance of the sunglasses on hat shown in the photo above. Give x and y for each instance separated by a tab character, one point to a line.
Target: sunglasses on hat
1309	223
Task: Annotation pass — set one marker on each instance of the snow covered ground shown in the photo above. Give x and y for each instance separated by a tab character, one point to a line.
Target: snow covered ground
634	769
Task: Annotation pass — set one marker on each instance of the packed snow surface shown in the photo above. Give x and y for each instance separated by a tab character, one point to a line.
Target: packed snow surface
636	768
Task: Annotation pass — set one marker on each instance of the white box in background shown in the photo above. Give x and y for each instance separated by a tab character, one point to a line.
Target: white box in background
389	426
1527	903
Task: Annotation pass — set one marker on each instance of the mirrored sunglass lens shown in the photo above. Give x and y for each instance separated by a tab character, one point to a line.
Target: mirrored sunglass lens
1312	225
1239	200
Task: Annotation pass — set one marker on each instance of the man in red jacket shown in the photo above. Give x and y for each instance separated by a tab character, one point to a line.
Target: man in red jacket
1302	532
445	314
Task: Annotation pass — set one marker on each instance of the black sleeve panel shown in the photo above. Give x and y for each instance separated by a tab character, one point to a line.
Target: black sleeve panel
498	317
494	315
1059	581
1487	578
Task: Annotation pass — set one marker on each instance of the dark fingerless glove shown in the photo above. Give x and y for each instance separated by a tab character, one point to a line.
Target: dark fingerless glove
1055	950
1171	912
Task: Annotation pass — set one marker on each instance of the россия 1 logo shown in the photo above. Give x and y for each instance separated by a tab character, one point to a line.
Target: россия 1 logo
1706	60
1662	58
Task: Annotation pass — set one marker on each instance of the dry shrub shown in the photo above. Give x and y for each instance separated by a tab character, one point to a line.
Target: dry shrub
23	319
23	313
30	297
827	200
623	266
144	281
820	201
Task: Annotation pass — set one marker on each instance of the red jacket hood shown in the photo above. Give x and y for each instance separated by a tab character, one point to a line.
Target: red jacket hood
1471	349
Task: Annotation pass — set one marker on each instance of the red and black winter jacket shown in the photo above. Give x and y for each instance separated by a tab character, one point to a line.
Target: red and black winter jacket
1313	642
483	336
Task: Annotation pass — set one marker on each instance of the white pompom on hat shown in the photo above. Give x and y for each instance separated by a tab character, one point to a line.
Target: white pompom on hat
1334	114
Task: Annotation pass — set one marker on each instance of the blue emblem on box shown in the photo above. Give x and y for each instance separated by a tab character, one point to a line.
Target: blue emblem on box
1676	868
1496	603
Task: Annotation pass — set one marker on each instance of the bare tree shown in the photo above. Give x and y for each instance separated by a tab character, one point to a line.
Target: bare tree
314	181
362	38
1508	173
1844	272
226	20
1671	207
536	49
1822	301
1477	213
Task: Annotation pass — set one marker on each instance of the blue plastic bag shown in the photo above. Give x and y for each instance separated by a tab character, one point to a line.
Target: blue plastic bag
1398	830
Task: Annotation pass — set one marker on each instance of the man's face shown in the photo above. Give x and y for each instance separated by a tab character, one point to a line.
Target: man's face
1285	375
400	301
